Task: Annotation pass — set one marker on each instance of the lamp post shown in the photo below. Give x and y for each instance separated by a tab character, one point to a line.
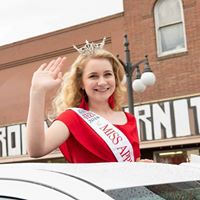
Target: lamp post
139	84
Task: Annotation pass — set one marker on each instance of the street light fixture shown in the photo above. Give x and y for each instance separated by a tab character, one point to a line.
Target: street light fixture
139	84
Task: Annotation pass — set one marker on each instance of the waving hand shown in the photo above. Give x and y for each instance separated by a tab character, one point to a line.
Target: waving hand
48	76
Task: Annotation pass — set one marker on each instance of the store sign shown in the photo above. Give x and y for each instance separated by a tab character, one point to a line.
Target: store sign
168	119
162	120
12	140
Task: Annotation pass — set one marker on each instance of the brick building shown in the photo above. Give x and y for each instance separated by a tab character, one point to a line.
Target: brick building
168	113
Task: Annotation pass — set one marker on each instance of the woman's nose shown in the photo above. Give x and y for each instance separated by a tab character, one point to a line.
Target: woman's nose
101	81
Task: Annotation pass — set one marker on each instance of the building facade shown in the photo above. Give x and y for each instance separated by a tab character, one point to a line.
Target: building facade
168	113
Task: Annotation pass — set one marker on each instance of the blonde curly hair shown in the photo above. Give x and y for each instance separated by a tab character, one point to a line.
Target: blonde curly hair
70	92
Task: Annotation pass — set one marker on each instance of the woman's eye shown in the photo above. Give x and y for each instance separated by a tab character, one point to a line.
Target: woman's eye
93	76
108	74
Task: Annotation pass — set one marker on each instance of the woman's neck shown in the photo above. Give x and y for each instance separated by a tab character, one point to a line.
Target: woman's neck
100	108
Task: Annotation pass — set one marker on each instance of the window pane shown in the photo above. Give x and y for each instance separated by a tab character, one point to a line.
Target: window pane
169	12
172	37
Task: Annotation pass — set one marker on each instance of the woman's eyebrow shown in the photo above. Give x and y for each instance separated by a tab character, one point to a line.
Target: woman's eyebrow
92	73
108	71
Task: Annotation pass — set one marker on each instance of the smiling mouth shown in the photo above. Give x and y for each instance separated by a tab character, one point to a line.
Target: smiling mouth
102	90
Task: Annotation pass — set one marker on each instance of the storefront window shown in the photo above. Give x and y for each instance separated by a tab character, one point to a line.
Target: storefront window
175	156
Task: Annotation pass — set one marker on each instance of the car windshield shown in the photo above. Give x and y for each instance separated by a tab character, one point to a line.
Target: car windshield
172	191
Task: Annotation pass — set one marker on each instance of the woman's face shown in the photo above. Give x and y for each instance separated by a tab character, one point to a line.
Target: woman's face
98	80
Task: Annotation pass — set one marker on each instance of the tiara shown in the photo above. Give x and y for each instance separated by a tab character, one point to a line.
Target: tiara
90	48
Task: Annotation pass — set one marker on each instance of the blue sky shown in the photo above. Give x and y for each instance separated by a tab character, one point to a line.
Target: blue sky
21	19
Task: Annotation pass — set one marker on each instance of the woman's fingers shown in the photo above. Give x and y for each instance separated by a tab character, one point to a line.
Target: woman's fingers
57	68
50	65
54	66
45	66
60	75
42	67
59	79
59	65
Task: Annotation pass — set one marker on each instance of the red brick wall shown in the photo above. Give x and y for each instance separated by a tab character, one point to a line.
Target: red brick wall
19	60
177	75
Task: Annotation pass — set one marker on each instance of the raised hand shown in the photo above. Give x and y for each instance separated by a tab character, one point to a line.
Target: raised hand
48	76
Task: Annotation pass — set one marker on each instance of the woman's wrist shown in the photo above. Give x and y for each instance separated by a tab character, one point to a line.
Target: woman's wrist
37	95
35	90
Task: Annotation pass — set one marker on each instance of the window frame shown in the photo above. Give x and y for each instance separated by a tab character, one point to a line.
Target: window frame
160	52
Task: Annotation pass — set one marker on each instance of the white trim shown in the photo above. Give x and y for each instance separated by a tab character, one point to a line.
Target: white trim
98	124
170	142
26	158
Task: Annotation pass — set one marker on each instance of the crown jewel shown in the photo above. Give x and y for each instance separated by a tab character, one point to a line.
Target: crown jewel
90	48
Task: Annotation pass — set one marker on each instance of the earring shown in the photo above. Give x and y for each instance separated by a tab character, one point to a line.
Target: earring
111	101
84	101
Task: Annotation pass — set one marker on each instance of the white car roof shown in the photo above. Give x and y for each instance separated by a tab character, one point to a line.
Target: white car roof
109	176
61	186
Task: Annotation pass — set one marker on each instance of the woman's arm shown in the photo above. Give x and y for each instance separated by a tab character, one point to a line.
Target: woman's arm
39	143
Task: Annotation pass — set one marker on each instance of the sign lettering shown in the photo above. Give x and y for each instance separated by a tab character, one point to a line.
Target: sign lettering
12	140
169	119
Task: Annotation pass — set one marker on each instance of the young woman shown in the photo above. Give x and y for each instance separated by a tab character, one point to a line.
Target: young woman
90	125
